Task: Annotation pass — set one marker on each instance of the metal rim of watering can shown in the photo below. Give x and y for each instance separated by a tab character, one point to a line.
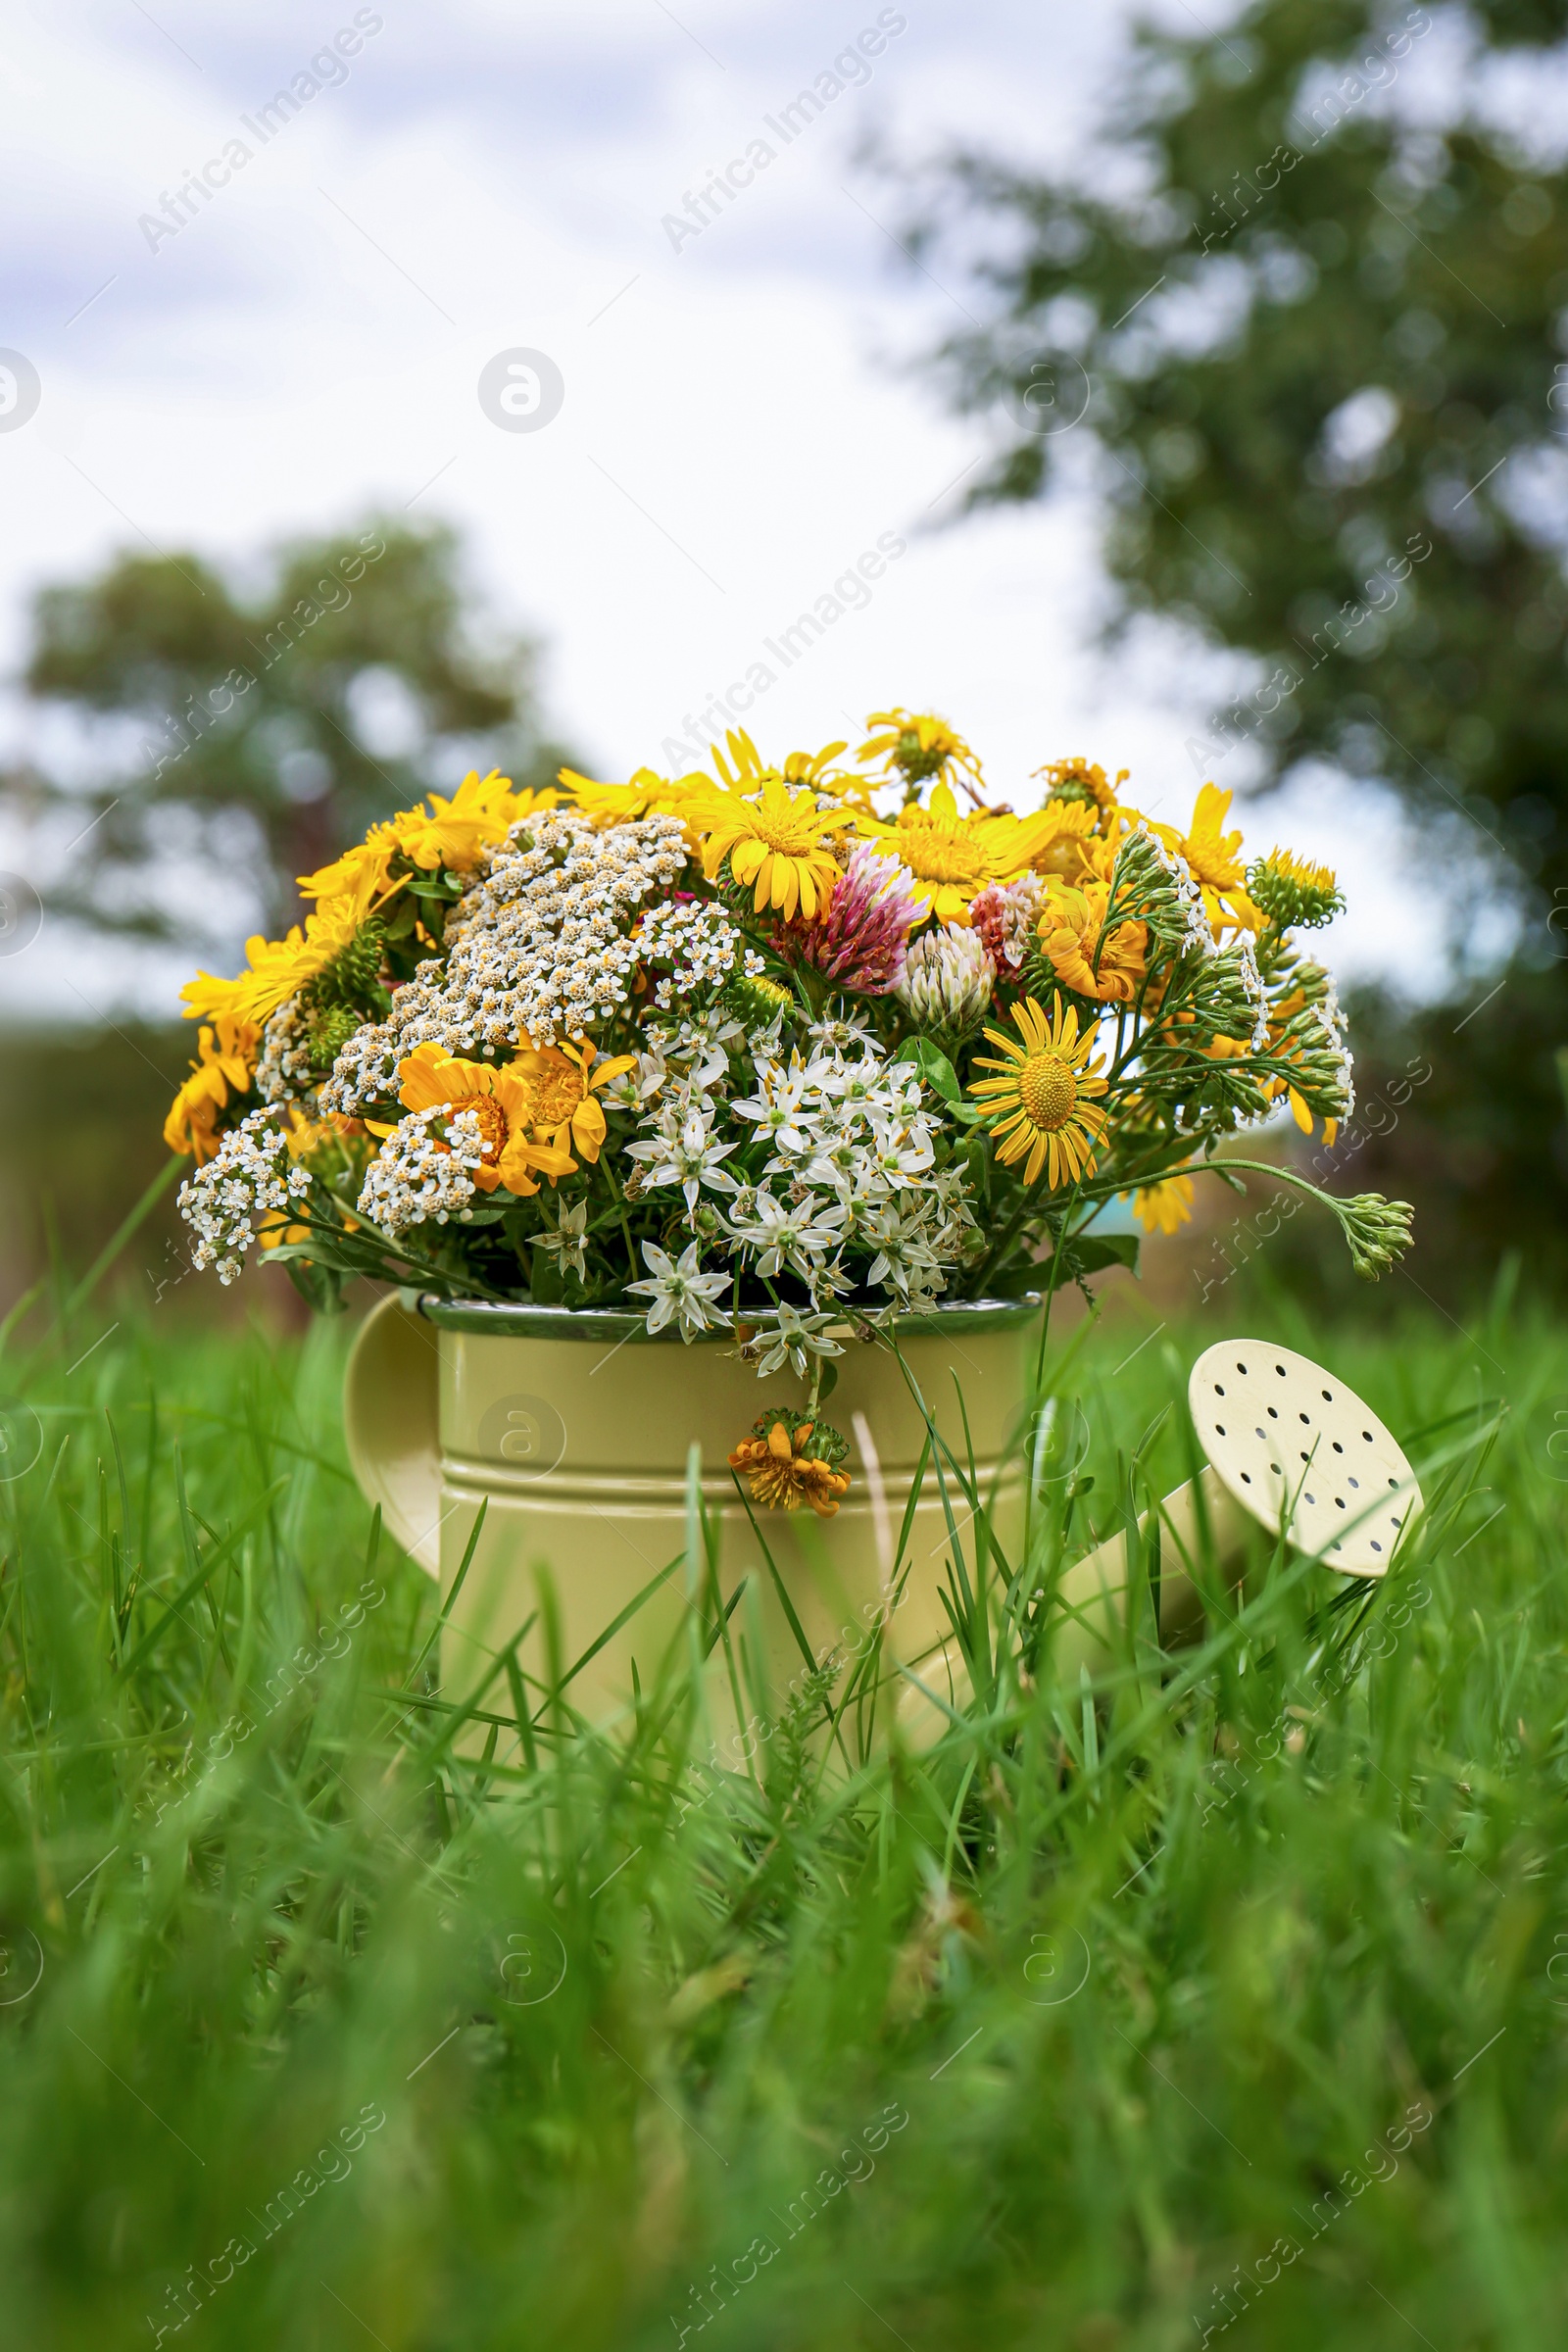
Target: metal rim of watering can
506	1318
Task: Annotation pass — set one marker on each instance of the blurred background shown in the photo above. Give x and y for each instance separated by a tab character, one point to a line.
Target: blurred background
386	391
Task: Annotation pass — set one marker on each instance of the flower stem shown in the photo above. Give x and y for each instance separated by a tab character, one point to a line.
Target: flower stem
619	1198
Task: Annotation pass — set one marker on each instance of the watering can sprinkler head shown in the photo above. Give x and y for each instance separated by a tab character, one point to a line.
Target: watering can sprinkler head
1297	1450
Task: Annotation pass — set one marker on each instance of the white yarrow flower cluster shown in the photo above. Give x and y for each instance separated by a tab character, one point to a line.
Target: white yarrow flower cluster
701	942
251	1176
283	1074
414	1176
539	947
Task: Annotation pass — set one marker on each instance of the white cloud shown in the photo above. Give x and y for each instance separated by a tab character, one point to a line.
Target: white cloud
732	436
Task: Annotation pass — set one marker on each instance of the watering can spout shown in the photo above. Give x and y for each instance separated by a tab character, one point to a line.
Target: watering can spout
1290	1449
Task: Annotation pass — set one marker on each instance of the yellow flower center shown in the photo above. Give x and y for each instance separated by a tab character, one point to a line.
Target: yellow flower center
934	852
555	1094
790	834
492	1125
1066	858
1047	1091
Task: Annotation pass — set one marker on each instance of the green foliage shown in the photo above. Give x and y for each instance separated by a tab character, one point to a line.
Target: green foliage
1225	1987
250	709
1092	1252
79	1140
1378	259
1324	357
935	1068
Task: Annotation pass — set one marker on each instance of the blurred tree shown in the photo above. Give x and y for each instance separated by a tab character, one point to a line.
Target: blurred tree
1314	351
270	730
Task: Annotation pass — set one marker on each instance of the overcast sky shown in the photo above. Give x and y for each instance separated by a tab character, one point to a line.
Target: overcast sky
735	427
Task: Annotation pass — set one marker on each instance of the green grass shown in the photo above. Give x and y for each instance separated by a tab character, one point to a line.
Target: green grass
1049	2037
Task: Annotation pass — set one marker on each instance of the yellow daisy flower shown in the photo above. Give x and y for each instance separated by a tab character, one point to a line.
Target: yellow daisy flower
561	1090
953	858
1044	1101
1214	859
479	814
277	968
227	1057
502	1102
917	745
1163	1208
644	794
1070	848
776	838
1083	783
358	878
1111	970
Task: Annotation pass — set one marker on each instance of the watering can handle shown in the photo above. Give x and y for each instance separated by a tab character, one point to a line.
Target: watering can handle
391	1399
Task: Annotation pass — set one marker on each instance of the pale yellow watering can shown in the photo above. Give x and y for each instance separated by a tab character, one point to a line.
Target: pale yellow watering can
577	1433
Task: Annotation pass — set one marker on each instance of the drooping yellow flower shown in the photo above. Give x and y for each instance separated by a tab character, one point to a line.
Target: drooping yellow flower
953	858
1044	1103
503	1104
917	745
818	770
227	1057
776	838
1163	1208
561	1089
1107	968
1299	1109
782	1470
1214	859
277	968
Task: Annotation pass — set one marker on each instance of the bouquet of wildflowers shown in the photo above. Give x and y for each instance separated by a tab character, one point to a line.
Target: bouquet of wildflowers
786	1051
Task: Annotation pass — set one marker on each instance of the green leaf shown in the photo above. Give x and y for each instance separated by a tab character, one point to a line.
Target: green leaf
320	1287
933	1065
1092	1252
